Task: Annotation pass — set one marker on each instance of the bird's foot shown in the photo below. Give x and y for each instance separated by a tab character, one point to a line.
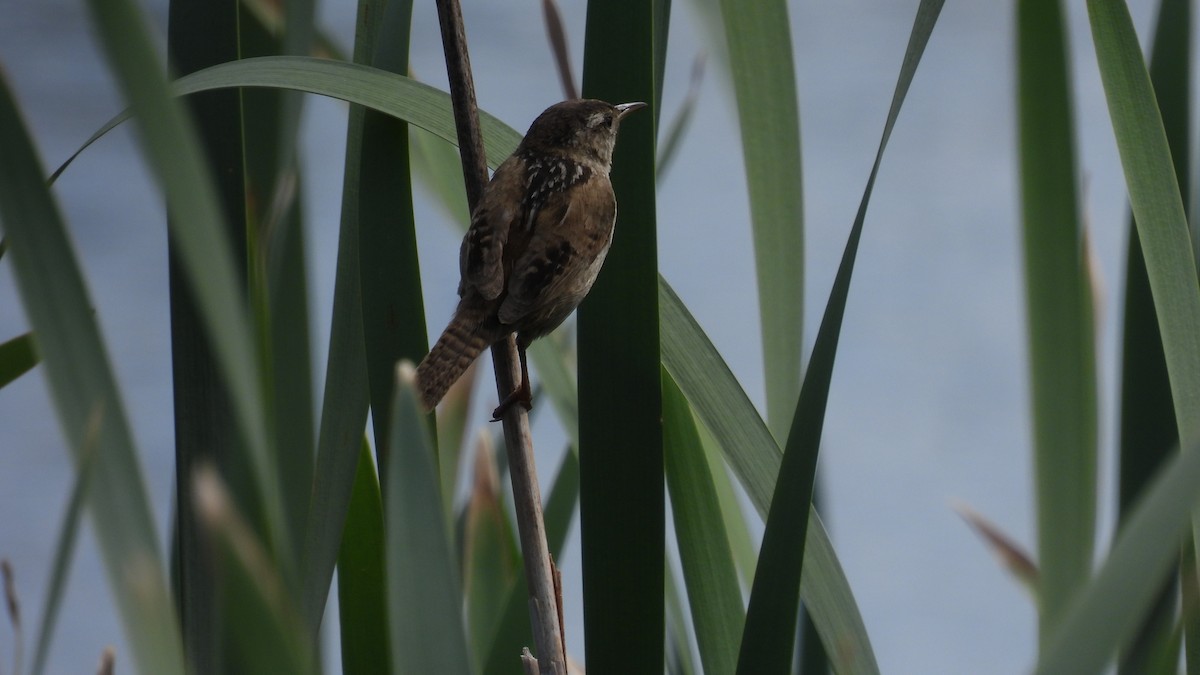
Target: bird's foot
521	395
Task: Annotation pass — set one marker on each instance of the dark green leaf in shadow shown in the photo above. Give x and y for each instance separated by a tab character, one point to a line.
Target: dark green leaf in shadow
83	389
362	607
424	600
200	34
17	357
622	519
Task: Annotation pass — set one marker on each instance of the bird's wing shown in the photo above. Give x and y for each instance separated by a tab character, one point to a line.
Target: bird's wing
482	253
570	233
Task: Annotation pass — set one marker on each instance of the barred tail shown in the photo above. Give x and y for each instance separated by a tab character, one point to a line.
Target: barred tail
458	347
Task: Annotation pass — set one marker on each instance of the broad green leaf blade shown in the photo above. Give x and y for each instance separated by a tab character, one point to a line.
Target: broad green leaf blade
290	358
174	155
714	596
1148	431
1157	205
362	607
750	449
1061	324
768	639
1105	616
347	396
277	279
17	357
85	396
393	311
200	34
622	518
758	37
424	600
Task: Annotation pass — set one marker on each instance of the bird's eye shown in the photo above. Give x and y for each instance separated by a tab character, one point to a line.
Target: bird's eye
598	119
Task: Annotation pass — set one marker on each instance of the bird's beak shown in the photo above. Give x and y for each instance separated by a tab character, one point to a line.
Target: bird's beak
626	108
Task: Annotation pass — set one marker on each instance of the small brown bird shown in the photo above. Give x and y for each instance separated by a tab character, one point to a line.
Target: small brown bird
537	240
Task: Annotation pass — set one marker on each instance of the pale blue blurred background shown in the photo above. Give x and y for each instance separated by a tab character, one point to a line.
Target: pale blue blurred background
929	402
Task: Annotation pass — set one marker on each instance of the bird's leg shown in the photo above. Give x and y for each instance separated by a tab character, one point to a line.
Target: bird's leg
522	394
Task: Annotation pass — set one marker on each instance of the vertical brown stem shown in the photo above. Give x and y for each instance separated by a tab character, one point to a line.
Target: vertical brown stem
543	610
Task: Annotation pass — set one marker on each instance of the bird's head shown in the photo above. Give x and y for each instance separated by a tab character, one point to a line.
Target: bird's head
583	129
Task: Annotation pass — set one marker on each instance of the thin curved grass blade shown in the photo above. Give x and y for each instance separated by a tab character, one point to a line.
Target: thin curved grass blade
722	406
769	636
396	95
85	396
64	551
